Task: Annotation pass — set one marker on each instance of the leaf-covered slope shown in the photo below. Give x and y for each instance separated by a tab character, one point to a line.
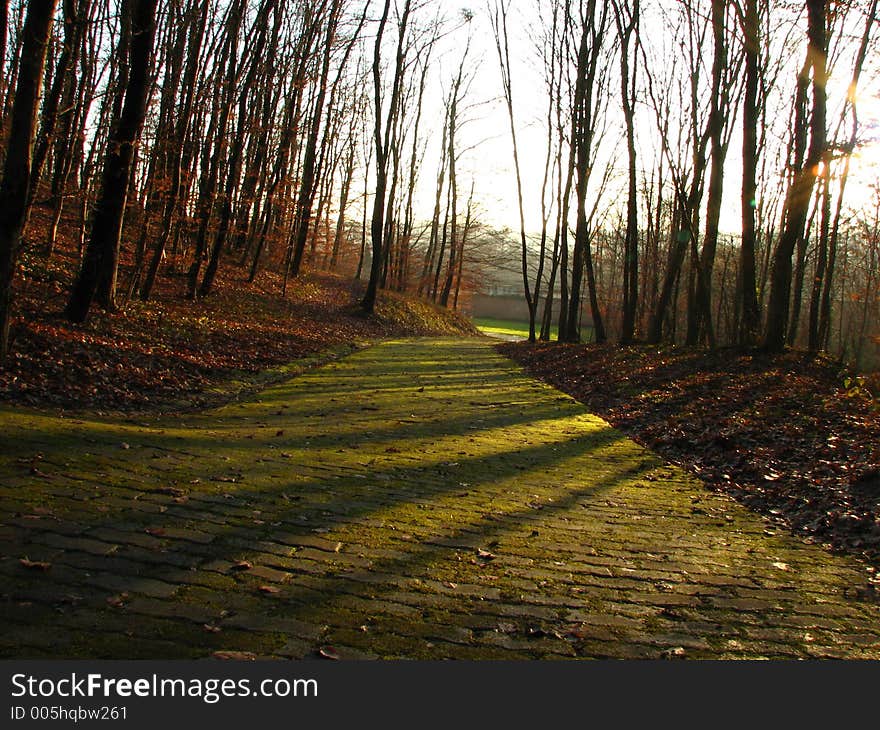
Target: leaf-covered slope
168	349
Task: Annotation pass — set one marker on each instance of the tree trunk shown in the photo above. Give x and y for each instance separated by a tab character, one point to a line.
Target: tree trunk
801	188
16	180
208	193
377	225
178	151
625	30
748	287
502	45
307	177
97	277
700	327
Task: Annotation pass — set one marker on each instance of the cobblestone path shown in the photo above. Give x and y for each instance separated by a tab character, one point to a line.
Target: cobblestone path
419	499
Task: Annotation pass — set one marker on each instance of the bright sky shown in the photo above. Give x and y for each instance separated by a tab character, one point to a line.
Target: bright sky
489	162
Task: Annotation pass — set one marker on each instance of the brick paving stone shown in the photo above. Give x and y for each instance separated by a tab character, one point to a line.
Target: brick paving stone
273	624
426	500
262	572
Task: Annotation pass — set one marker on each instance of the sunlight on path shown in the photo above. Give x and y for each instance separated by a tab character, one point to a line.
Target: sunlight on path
422	499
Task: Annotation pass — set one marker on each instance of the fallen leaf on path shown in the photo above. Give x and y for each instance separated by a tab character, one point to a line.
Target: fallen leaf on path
235	656
118	601
35	564
674	653
328	652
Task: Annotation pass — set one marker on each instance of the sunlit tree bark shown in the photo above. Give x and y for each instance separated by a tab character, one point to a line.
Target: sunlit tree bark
800	190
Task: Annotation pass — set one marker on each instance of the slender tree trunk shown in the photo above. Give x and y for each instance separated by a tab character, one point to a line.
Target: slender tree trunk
821	258
700	326
16	180
626	27
377	226
502	45
343	204
51	104
307	181
377	220
97	277
800	191
208	195
748	287
431	254
800	272
468	222
363	251
584	126
178	150
820	306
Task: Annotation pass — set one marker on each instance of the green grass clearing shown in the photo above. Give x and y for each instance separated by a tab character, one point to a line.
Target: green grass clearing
506	329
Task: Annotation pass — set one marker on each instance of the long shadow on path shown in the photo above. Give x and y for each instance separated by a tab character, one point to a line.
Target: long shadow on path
418	499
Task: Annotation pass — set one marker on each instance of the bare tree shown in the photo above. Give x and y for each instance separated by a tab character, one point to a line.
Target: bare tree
627	22
587	100
16	181
177	146
820	295
499	17
97	277
800	190
747	290
383	129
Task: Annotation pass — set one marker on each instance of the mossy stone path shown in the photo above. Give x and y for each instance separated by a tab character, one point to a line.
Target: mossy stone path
420	499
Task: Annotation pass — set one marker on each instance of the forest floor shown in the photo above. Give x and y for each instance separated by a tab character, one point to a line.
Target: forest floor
420	499
170	353
792	436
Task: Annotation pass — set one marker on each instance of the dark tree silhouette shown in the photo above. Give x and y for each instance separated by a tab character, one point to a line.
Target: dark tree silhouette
97	277
15	185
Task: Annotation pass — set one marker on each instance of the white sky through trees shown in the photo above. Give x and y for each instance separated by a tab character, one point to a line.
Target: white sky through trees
485	137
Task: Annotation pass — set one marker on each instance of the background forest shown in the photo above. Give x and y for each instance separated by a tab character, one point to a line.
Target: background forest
689	171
